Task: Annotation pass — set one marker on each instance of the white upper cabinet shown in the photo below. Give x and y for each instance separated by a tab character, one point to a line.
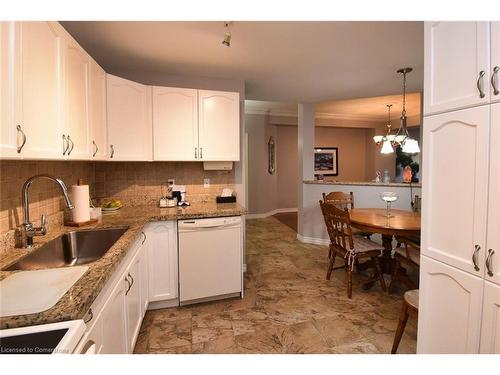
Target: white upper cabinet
38	88
490	331
455	170
98	126
457	65
129	120
76	104
493	242
219	125
449	316
175	124
495	61
10	137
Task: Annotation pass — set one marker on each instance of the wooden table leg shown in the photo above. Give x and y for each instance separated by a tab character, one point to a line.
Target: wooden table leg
386	261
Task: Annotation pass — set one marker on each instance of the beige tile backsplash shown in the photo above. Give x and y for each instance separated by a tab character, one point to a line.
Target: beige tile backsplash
138	183
134	183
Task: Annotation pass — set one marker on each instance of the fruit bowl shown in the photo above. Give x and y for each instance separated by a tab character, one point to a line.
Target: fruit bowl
111	205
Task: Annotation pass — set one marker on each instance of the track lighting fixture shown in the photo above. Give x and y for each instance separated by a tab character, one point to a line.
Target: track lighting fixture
227	36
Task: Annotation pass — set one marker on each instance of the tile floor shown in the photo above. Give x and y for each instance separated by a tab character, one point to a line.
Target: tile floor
289	307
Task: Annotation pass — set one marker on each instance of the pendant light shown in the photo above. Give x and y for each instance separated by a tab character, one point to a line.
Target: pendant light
402	137
386	139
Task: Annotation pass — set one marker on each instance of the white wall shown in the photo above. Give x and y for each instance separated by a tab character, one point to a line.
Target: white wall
314	229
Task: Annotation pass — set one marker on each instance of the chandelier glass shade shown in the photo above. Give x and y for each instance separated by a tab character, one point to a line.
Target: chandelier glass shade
402	137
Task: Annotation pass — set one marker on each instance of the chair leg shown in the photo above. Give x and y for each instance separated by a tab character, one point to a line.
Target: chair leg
380	274
349	282
329	253
403	318
395	274
330	265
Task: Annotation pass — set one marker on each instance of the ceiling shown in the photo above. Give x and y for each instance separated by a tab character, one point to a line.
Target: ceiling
363	110
279	61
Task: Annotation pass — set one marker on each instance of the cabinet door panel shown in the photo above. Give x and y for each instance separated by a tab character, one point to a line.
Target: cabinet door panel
454	191
163	263
91	342
114	322
219	125
38	88
175	123
77	100
133	302
98	123
455	53
495	58
493	242
144	276
10	137
490	330
129	119
449	316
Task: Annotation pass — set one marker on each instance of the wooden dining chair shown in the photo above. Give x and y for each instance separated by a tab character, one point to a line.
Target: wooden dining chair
407	254
348	246
410	303
343	201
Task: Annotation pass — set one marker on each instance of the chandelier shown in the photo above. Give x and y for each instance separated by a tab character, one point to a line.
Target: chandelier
402	137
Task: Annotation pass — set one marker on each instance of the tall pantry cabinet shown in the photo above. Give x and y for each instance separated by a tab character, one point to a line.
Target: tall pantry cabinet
459	310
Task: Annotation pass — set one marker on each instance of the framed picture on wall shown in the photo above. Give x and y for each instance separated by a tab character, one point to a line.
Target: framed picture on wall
326	161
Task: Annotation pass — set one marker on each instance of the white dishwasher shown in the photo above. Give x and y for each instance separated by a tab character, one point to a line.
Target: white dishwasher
210	259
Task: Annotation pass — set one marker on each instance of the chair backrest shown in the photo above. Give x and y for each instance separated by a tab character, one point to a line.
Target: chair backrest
338	225
340	199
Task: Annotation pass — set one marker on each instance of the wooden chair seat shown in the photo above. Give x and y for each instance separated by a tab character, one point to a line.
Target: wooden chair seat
407	255
410	302
351	248
412	256
363	244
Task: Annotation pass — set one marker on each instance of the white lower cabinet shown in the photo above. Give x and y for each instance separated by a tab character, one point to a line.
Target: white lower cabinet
449	317
148	273
133	302
163	260
490	336
113	316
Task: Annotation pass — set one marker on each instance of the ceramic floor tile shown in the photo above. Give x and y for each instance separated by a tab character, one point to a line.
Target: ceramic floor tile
289	307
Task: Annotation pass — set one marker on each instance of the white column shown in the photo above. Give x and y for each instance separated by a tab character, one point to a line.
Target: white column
305	156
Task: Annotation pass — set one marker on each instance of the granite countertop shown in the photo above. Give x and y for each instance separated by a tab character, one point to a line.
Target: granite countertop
78	299
363	183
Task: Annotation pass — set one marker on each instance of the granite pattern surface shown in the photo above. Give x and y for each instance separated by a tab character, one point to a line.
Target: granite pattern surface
288	307
362	183
76	302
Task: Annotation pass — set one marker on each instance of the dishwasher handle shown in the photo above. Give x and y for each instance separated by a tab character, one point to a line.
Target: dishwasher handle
209	224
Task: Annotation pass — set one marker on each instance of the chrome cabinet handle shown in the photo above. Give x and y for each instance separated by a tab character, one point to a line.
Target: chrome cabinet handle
144	240
474	257
201	152
196	152
129	285
91	314
479	84
72	144
65	144
131	279
96	149
488	262
112	151
494	80
20	130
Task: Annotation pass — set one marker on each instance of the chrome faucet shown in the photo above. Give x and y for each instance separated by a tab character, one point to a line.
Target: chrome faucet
25	234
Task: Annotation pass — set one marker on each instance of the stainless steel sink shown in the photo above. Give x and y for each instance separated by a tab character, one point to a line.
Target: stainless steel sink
70	249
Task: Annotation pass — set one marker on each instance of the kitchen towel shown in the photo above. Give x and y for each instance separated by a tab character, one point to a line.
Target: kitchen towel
80	199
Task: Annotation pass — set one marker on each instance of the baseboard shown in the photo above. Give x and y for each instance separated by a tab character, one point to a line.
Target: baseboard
163	304
271	213
313	240
244	267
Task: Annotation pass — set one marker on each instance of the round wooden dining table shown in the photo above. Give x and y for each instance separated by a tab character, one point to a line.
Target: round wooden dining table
374	220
